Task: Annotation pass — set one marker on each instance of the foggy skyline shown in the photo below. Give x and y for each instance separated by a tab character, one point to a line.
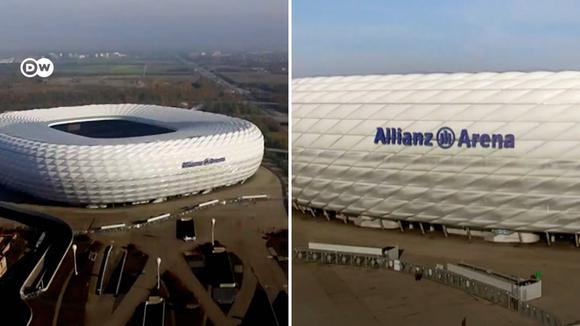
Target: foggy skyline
143	25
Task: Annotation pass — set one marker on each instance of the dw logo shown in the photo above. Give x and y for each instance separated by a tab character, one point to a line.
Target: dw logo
30	67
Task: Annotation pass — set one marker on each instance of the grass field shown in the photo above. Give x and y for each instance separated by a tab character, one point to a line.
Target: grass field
21	93
99	69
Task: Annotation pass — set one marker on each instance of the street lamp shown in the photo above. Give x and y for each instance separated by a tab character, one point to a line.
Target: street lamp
74	248
158	263
213	232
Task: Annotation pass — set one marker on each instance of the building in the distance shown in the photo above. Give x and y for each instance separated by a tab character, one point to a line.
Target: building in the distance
107	154
486	151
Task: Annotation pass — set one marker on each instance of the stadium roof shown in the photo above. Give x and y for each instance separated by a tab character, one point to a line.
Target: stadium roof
35	125
457	88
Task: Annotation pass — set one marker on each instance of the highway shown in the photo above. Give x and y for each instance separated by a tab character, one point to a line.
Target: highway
215	78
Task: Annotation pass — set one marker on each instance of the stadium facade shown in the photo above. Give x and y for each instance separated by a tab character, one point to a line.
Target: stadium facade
126	153
488	151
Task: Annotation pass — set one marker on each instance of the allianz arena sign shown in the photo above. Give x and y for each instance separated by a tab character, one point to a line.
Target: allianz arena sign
444	138
207	161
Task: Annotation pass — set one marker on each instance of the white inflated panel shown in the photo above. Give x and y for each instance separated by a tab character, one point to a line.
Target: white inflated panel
533	186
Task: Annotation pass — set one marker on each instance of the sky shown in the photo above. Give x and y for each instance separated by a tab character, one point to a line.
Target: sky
366	37
66	25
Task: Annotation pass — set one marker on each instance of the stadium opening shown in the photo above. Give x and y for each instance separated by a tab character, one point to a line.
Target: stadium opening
111	128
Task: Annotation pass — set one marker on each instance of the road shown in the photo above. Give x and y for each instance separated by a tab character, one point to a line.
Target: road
283	185
33	273
213	77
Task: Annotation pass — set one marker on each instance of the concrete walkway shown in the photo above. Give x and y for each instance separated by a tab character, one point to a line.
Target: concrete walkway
60	297
213	311
245	295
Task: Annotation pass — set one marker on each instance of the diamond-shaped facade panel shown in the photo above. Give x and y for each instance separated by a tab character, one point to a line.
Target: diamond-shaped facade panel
382	146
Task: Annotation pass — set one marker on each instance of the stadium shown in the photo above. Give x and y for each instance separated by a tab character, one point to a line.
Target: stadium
485	151
99	155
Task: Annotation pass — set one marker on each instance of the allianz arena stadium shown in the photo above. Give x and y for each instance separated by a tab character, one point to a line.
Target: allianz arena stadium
107	154
486	151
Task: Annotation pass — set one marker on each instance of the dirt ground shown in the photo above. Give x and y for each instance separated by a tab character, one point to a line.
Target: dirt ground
346	294
342	295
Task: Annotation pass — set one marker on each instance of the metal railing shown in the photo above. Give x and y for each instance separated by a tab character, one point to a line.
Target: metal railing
485	291
170	216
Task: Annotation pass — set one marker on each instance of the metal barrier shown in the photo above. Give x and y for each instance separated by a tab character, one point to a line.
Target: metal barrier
338	258
439	275
171	216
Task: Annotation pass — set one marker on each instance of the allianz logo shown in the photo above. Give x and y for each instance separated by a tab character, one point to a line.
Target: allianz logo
444	138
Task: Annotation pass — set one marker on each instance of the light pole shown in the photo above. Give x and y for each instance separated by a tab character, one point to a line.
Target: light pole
74	248
213	232
158	264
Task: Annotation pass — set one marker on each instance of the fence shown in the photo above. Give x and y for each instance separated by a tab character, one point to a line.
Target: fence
439	275
170	216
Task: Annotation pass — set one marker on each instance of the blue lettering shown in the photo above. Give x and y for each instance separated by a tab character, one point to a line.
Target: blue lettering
207	161
496	141
484	141
428	139
417	138
399	138
380	136
510	141
407	139
445	139
464	139
474	140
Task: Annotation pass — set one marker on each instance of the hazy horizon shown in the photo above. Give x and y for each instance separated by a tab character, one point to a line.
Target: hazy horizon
143	25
